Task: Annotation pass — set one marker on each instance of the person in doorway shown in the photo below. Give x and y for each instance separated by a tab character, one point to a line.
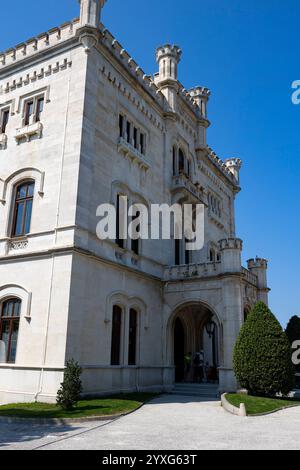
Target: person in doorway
198	364
188	359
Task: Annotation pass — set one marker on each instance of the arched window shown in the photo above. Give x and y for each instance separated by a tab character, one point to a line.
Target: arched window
116	336
132	349
212	255
9	327
23	209
181	161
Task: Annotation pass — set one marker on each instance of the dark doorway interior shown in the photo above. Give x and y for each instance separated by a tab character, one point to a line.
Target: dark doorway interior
179	351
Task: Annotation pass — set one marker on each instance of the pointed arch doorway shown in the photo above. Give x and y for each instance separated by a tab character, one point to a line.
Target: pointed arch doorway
179	350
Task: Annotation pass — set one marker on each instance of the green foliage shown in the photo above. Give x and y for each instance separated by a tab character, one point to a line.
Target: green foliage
69	393
293	334
262	356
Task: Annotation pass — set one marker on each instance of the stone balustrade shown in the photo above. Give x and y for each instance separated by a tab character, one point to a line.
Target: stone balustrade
190	271
249	277
183	182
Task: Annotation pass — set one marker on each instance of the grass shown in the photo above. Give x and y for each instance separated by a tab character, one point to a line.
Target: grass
85	408
257	405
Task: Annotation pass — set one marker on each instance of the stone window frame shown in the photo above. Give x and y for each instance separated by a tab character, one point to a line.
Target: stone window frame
7	194
10	291
134	125
34	95
187	170
121	189
126	304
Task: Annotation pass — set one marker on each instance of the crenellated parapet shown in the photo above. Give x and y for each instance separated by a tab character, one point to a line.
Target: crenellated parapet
231	250
40	43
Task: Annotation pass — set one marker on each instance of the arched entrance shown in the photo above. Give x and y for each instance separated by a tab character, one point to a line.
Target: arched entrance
195	334
179	350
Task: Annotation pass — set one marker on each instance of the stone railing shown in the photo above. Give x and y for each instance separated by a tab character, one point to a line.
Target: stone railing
249	277
190	271
183	182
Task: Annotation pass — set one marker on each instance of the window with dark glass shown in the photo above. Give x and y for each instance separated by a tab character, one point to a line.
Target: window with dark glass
135	138
177	252
119	240
132	347
121	124
4	120
143	143
135	244
9	327
187	253
23	209
29	109
116	336
181	161
39	109
128	131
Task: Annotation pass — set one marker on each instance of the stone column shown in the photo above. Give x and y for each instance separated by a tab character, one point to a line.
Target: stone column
230	249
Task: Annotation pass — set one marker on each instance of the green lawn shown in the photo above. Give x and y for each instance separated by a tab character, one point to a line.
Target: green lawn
256	405
85	408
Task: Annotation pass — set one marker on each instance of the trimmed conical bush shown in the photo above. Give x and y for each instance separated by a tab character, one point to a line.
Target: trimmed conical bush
262	356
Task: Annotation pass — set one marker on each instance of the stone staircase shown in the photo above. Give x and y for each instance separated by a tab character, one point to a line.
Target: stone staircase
203	390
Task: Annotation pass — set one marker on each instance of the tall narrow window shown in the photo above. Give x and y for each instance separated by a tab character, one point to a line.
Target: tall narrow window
128	131
29	109
119	240
143	143
187	253
135	138
9	327
177	252
121	125
181	161
23	209
132	337
4	120
135	244
116	336
39	109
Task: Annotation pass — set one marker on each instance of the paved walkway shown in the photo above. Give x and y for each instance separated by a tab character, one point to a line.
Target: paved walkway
168	422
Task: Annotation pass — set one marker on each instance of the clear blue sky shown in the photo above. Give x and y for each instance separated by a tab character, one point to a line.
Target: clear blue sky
247	53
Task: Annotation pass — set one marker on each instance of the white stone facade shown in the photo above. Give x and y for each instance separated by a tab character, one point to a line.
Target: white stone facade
68	280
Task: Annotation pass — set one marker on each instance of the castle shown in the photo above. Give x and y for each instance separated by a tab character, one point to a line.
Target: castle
82	124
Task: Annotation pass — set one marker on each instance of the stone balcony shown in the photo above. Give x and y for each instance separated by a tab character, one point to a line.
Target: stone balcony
192	271
27	132
133	154
182	183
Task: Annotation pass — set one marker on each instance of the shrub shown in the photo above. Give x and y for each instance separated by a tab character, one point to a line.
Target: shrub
69	393
293	334
262	356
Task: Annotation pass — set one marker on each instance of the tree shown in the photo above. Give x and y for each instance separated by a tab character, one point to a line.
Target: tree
69	393
262	355
293	333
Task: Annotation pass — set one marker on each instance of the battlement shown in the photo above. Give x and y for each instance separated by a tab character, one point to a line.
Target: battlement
39	43
257	263
231	244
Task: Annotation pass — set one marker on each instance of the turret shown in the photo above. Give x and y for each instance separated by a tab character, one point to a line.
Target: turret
231	253
234	165
259	267
168	58
90	12
201	96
